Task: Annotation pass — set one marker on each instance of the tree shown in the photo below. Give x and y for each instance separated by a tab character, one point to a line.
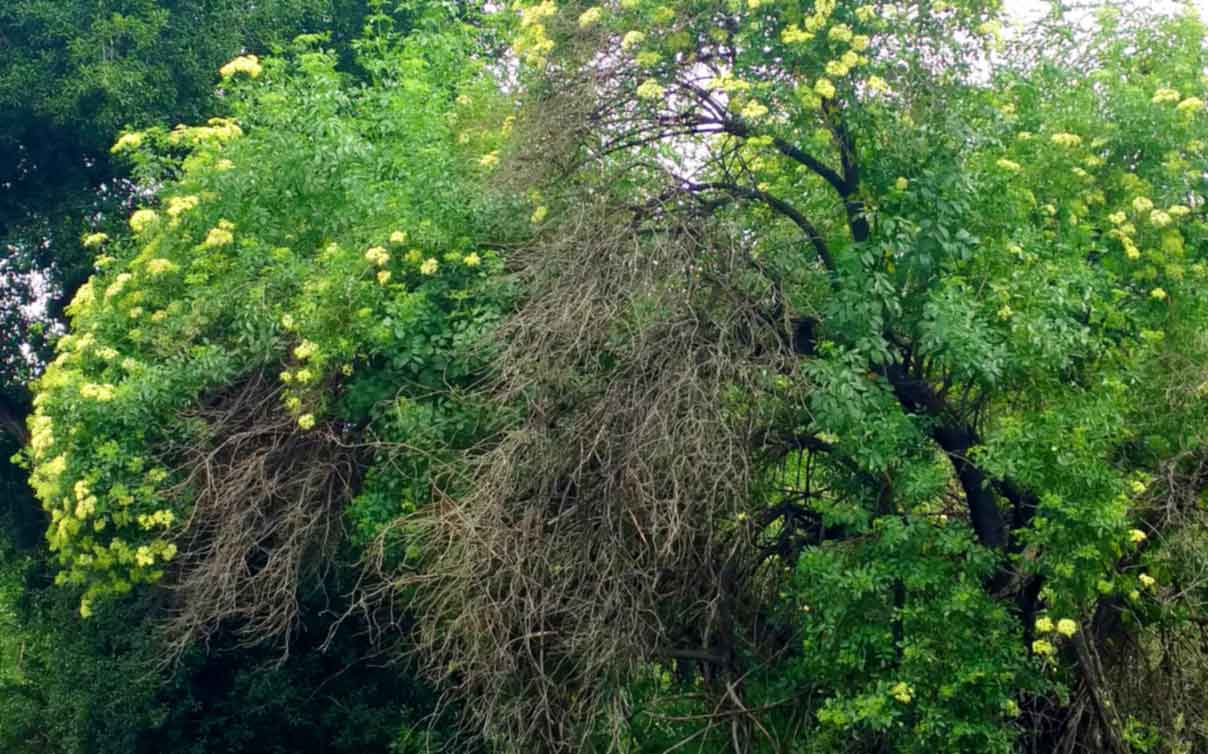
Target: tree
861	354
770	377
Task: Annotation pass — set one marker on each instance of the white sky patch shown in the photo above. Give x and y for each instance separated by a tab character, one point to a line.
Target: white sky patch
1030	10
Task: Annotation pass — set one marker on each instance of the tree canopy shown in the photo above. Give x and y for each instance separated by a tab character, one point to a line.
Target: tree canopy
750	376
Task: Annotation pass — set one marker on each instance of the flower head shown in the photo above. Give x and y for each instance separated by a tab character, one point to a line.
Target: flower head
1142	204
824	88
650	89
1165	95
142	219
1043	648
1066	139
245	64
471	260
1190	105
1136	536
93	240
590	17
306	421
127	141
430	266
377	256
1067	627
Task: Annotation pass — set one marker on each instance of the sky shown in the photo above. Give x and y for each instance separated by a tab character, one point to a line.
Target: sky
1030	8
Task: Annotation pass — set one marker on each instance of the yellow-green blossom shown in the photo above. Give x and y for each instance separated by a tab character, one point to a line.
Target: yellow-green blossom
142	219
471	260
754	110
650	89
1165	95
632	39
93	240
245	64
840	33
306	421
1190	105
159	266
1066	139
218	237
306	349
1067	627
377	256
590	17
902	691
430	266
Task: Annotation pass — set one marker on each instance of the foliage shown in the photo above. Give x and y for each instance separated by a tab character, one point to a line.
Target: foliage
323	235
96	687
979	249
754	376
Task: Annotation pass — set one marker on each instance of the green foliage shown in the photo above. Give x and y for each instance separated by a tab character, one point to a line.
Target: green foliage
327	232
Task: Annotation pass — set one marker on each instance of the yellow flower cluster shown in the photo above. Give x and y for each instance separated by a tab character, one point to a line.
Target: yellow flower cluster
97	392
650	89
127	141
377	256
118	285
1066	139
220	236
178	205
590	17
160	266
1190	105
93	240
1165	95
306	349
533	44
142	219
902	691
248	65
160	518
219	130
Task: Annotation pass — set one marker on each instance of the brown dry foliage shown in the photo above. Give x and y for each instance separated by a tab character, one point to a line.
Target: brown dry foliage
267	499
600	533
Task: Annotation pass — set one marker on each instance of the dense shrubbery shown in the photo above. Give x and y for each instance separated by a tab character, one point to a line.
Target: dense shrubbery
753	376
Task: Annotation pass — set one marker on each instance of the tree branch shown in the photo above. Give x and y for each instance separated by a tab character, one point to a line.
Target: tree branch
780	206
